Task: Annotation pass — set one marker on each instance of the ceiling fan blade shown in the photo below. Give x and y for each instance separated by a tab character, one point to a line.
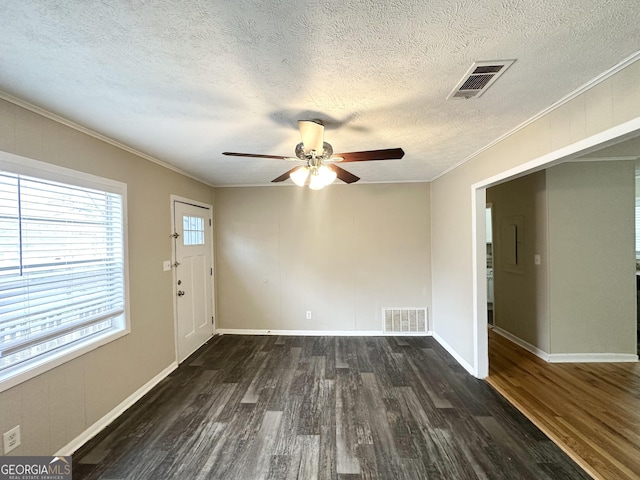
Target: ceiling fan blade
284	176
255	155
312	134
346	177
385	154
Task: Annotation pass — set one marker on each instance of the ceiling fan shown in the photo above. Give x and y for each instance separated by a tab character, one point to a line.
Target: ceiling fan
319	159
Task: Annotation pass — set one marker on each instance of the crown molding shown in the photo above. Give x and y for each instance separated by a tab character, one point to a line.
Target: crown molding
92	133
567	98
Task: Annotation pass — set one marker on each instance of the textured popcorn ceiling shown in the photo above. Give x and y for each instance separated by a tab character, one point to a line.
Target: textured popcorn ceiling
185	81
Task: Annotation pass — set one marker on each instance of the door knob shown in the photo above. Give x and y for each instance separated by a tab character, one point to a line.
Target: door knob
180	293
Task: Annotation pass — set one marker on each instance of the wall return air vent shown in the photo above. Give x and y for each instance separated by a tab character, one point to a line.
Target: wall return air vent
479	78
405	320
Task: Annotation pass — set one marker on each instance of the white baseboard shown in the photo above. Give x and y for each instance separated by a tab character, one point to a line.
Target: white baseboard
568	357
466	365
97	427
318	333
526	345
348	333
592	357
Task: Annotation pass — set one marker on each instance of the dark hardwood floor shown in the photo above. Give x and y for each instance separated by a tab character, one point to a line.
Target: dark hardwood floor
266	407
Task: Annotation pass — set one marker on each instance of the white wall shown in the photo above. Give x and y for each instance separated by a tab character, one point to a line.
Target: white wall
343	253
571	126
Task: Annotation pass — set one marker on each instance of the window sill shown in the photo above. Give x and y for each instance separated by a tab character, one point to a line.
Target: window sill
30	369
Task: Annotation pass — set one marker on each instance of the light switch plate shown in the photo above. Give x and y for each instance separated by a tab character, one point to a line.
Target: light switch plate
166	265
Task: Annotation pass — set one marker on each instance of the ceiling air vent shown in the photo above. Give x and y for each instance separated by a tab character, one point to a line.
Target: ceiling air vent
478	78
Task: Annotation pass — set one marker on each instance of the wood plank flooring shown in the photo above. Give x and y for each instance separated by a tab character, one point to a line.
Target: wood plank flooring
340	408
592	411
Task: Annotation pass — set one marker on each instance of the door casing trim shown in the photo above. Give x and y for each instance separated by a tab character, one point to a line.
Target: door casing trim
174	278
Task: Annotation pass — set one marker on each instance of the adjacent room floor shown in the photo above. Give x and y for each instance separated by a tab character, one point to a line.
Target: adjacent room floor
591	410
266	407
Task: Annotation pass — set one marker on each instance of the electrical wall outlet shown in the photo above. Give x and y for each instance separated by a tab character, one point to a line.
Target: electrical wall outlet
308	314
11	439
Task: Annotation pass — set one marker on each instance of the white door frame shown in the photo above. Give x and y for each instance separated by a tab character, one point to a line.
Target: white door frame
595	142
173	199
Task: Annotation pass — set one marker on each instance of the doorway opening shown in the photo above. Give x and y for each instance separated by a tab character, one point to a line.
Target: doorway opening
613	136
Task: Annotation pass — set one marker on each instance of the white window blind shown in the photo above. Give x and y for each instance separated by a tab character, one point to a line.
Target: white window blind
61	267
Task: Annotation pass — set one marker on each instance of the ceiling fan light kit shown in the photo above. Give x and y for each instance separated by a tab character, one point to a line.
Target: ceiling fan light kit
316	183
315	152
319	175
327	174
299	176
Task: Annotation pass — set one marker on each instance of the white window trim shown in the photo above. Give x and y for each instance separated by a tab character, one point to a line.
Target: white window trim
26	166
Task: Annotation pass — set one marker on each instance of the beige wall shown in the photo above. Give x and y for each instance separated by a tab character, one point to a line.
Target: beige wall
581	299
521	302
343	253
55	407
611	103
592	284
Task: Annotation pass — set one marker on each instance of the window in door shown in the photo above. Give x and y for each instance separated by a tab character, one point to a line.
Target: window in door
193	230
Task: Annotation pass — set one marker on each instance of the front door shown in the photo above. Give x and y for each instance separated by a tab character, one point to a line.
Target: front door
194	273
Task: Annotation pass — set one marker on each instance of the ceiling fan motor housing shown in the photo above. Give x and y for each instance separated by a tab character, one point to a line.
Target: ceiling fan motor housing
326	153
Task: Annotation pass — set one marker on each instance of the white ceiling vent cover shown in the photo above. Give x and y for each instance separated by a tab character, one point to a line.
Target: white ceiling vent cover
479	78
405	320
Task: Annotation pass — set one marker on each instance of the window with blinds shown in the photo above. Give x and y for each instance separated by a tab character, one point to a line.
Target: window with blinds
62	281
